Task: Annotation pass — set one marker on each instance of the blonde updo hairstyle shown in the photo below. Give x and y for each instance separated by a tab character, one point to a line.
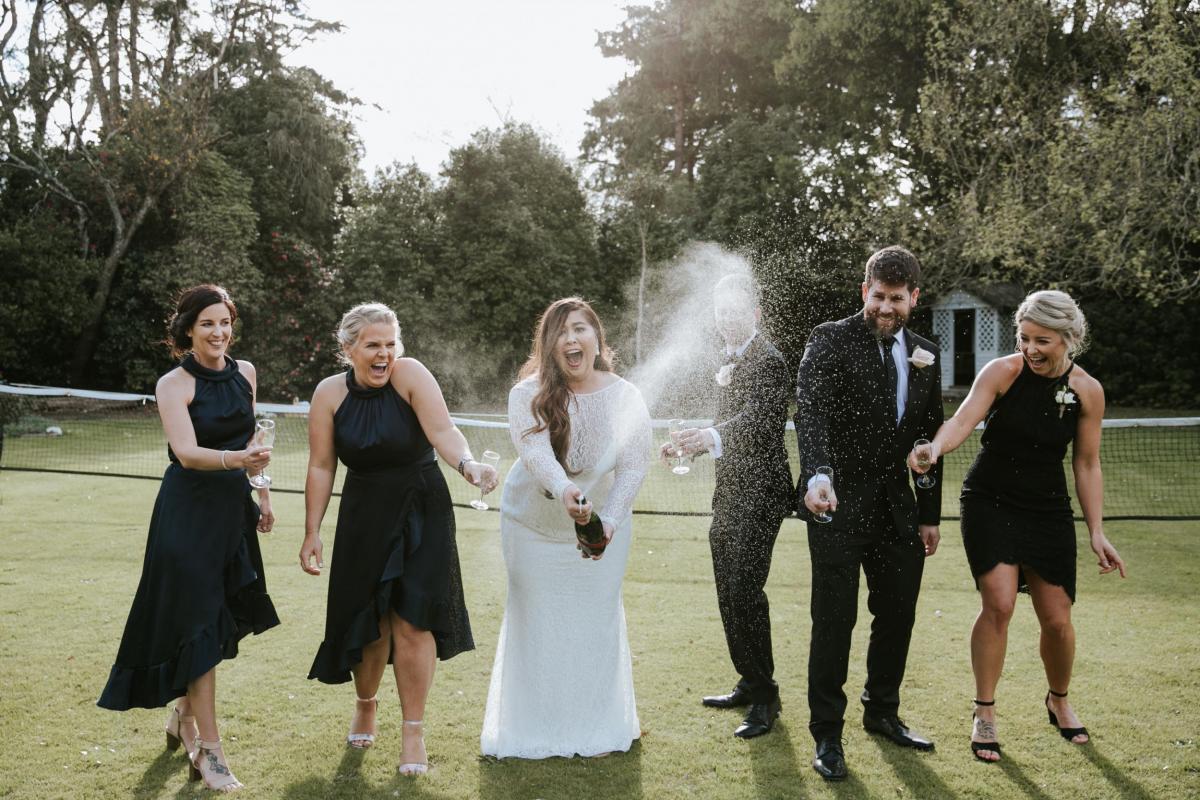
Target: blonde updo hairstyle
1057	311
356	320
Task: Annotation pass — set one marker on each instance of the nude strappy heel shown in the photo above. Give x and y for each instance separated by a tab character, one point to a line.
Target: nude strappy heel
363	740
176	723
209	765
412	769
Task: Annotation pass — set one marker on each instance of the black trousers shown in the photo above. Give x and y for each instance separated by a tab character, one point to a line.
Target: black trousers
741	545
893	560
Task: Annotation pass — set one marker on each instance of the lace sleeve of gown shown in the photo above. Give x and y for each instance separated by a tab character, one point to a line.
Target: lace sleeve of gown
535	450
633	427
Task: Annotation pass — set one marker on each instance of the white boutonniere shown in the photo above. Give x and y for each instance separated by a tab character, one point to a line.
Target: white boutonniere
921	358
725	375
1064	397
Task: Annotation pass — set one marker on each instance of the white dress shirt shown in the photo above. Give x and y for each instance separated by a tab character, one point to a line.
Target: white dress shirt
739	353
900	357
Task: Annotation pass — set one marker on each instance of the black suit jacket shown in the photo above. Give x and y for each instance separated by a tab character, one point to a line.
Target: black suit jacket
753	469
844	420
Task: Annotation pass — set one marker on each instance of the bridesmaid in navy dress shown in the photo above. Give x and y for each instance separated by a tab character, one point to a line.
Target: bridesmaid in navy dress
202	586
1017	524
395	590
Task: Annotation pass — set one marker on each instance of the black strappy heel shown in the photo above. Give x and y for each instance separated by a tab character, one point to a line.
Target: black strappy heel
985	729
1067	733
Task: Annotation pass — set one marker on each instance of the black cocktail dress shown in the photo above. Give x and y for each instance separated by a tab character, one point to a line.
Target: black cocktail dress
1015	505
394	547
202	586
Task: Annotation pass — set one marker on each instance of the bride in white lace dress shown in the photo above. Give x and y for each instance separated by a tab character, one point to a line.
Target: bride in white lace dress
562	682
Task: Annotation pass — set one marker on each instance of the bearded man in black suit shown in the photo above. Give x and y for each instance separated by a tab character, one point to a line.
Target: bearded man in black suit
752	496
864	395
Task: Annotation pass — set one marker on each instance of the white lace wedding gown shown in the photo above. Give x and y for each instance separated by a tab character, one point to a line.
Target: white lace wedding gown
562	682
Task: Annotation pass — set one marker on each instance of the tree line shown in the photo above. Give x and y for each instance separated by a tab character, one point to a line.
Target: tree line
147	146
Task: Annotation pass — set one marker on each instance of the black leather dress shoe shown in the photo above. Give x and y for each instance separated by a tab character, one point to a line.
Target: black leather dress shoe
830	761
734	699
759	720
895	730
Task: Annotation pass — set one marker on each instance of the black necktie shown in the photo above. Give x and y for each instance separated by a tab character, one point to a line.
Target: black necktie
889	367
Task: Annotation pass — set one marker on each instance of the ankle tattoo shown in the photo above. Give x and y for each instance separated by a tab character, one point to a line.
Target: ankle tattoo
214	764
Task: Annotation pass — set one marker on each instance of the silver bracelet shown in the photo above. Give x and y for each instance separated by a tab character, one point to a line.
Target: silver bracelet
223	452
462	463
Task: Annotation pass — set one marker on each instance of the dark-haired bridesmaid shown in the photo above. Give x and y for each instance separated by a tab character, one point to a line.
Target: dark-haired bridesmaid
202	587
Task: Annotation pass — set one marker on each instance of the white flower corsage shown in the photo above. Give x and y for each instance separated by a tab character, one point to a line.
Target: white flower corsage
1065	397
725	375
921	358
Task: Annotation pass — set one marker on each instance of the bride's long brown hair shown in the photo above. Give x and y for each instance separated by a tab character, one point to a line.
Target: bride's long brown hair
549	405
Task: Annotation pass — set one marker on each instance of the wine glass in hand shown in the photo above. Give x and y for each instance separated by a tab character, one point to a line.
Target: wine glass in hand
491	458
264	436
824	516
680	468
923	455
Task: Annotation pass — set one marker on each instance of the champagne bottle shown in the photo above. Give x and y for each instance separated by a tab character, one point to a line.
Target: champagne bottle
590	534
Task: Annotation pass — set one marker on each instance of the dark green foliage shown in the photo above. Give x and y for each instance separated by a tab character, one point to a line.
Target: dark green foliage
390	253
1144	355
42	277
287	332
1046	144
201	234
516	235
289	134
469	263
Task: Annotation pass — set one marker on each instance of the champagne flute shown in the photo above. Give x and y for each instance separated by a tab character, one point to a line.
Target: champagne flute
491	458
264	436
824	516
923	450
680	468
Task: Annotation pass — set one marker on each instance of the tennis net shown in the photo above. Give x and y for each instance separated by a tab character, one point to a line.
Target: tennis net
1151	466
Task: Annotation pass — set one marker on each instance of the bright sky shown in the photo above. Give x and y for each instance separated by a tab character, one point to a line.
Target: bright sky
439	71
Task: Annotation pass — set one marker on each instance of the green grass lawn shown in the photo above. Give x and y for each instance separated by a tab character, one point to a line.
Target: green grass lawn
73	549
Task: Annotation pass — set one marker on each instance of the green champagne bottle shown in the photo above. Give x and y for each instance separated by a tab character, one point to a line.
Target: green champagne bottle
590	534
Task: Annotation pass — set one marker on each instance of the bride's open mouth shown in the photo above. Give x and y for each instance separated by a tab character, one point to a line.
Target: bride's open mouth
574	358
379	370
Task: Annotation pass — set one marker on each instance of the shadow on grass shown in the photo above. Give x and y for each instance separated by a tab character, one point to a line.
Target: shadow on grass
161	769
347	781
773	762
1121	783
1014	772
615	776
912	768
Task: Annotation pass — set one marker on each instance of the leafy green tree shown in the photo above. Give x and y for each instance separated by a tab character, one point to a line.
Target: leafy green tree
644	222
696	63
136	119
1105	195
854	69
390	252
289	132
516	234
40	304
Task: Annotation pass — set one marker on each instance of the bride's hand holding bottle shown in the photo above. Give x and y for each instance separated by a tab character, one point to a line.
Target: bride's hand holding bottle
578	512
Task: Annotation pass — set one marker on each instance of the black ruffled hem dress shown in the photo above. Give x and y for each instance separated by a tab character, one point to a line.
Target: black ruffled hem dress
394	548
1014	503
202	588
